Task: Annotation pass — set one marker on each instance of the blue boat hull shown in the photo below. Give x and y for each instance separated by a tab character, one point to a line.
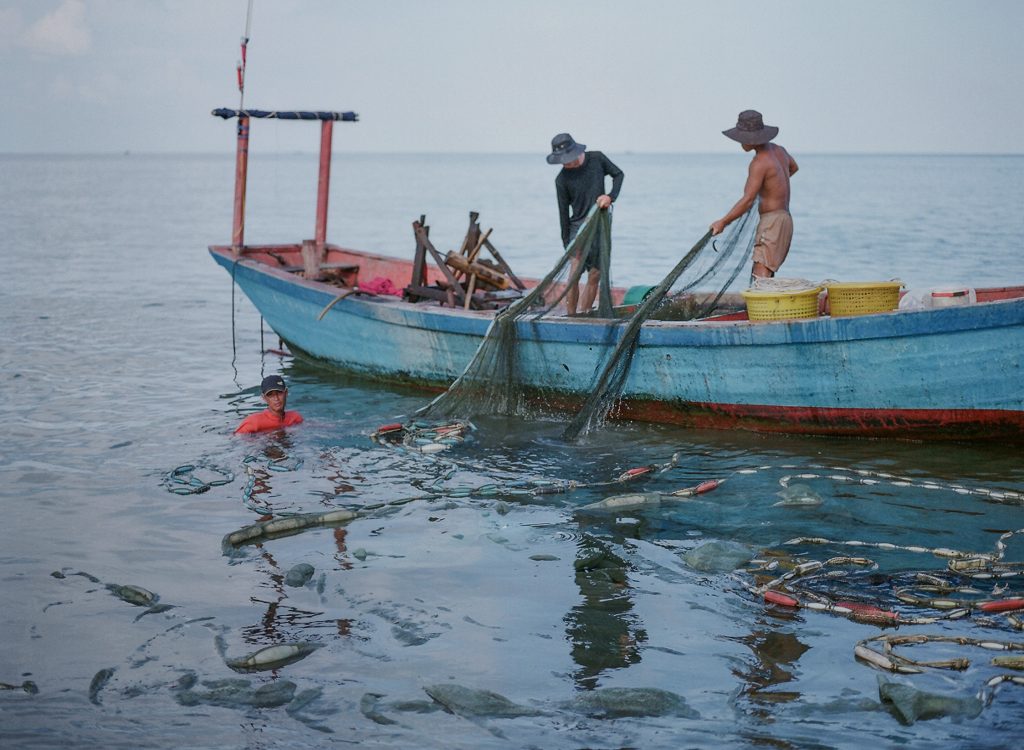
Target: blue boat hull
949	373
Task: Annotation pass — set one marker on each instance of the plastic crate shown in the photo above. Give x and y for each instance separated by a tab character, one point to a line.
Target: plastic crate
762	305
863	297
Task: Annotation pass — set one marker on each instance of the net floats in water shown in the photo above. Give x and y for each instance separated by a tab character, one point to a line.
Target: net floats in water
285	526
272	657
183	481
638	500
887	659
132	594
424	437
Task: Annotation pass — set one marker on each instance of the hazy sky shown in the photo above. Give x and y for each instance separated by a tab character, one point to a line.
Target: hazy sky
473	75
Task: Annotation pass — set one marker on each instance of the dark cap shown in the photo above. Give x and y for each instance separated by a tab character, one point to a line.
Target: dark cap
564	149
272	383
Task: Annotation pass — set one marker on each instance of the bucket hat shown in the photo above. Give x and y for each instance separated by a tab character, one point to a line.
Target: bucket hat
564	149
750	129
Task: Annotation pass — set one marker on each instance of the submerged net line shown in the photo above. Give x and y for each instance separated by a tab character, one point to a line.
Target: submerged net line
493	381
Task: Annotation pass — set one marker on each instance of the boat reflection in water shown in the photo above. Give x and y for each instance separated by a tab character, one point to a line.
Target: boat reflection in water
604	632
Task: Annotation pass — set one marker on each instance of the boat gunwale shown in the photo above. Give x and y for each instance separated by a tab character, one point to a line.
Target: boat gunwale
654	333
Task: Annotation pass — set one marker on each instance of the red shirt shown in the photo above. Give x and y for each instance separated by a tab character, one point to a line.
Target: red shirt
267	420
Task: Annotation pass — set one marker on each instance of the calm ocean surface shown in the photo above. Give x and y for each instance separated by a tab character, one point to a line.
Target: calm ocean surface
124	355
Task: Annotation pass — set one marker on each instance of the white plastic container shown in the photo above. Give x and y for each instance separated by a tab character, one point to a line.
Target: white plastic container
953	296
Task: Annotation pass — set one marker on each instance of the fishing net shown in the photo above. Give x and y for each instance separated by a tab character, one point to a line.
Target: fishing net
496	381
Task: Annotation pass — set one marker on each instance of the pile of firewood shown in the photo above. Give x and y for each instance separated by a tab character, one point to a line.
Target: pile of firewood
470	280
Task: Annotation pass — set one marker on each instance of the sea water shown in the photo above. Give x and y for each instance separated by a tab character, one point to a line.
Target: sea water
125	354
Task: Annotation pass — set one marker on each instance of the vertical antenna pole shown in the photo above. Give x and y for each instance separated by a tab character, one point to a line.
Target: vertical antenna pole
248	21
323	184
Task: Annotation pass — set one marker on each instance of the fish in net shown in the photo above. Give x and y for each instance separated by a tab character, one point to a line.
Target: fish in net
496	381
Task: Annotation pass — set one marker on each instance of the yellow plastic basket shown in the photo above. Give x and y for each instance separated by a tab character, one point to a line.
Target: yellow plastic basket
763	305
863	297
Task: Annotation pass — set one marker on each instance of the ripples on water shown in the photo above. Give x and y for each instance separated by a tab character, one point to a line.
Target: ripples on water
118	368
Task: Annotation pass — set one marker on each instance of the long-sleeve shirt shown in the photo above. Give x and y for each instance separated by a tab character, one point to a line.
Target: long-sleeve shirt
578	189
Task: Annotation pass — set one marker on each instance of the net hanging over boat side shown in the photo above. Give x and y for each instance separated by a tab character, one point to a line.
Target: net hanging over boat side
494	382
691	290
490	383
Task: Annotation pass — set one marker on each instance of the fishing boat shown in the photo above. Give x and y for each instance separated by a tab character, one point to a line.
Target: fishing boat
949	373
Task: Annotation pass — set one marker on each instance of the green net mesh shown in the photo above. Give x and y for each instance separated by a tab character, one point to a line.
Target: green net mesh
496	380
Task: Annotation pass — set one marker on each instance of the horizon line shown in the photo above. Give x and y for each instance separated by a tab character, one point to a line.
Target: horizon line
630	152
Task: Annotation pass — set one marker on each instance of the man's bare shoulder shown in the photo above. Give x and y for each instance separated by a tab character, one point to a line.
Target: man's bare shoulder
761	161
780	152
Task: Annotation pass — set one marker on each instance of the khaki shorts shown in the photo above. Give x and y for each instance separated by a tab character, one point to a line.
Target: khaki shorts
771	242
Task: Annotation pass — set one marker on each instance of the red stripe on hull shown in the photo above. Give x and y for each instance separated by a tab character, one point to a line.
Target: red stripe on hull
922	424
906	424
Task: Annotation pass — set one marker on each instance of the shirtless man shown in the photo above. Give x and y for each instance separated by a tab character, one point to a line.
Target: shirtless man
768	178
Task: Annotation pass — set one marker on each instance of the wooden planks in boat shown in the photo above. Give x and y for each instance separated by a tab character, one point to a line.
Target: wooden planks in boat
484	273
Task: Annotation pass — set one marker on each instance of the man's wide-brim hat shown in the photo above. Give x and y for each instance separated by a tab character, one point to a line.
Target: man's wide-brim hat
751	130
564	149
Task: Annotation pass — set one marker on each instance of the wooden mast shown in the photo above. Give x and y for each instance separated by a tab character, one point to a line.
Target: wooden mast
241	167
323	184
242	151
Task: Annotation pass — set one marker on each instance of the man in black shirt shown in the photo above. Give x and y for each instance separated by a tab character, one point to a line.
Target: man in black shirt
579	185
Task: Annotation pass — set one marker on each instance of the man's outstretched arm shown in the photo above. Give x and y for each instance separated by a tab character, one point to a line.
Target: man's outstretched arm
755	179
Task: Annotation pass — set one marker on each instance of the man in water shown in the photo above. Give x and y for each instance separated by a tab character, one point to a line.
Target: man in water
579	185
275	393
767	178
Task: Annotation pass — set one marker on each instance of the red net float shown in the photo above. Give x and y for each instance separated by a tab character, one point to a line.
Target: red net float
1001	605
777	597
869	612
